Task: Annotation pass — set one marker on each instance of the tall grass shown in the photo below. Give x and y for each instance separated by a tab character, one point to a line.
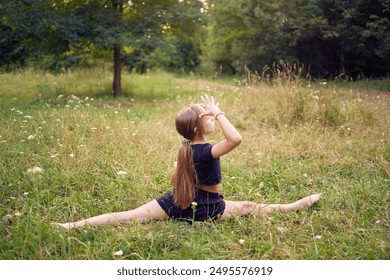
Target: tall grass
299	138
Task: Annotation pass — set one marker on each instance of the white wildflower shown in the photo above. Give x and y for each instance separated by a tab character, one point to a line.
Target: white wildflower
241	241
71	155
26	193
318	236
282	229
35	169
194	204
118	253
18	214
122	173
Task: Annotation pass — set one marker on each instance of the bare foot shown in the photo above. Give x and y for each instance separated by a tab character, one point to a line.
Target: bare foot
303	203
66	226
309	200
314	198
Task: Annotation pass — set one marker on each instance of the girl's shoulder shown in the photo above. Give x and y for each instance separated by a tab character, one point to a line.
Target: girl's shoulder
202	151
202	146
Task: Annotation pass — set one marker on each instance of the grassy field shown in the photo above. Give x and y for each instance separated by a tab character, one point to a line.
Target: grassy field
64	142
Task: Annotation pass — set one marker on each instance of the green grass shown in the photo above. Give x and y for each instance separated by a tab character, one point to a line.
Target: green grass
299	139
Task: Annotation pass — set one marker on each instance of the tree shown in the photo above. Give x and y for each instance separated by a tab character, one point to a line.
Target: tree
116	85
330	37
38	29
182	38
251	33
346	38
66	31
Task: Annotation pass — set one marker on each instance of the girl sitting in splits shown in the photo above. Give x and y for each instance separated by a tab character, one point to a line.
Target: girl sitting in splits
197	178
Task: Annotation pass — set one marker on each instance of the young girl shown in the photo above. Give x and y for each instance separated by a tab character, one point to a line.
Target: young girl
197	178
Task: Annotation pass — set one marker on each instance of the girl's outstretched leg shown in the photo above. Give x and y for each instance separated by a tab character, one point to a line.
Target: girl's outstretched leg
149	211
243	208
302	203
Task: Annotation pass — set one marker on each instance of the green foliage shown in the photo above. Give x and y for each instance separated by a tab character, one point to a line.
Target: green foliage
165	34
330	38
56	35
347	38
175	55
326	38
250	33
45	32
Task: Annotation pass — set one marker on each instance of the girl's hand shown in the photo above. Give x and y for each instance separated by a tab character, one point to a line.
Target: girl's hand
210	105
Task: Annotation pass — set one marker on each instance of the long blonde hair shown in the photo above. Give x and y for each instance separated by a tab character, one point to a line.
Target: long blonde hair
184	180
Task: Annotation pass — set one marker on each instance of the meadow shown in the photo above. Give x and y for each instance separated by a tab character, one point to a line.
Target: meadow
68	150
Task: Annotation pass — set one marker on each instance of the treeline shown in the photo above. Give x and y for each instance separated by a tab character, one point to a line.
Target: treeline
321	38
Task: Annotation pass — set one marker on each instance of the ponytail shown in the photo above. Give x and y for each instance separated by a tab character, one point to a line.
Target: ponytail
184	180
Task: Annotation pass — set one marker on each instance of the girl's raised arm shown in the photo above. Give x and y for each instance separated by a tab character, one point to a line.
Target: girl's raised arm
232	137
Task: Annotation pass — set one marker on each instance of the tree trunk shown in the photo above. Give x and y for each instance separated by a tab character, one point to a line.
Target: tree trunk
116	85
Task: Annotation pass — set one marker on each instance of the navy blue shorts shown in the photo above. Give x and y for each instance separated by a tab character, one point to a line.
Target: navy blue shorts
209	206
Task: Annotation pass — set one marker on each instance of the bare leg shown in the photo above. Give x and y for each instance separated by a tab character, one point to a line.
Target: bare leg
149	211
243	208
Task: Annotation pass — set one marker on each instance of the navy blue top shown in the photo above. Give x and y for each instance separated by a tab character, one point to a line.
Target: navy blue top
207	168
